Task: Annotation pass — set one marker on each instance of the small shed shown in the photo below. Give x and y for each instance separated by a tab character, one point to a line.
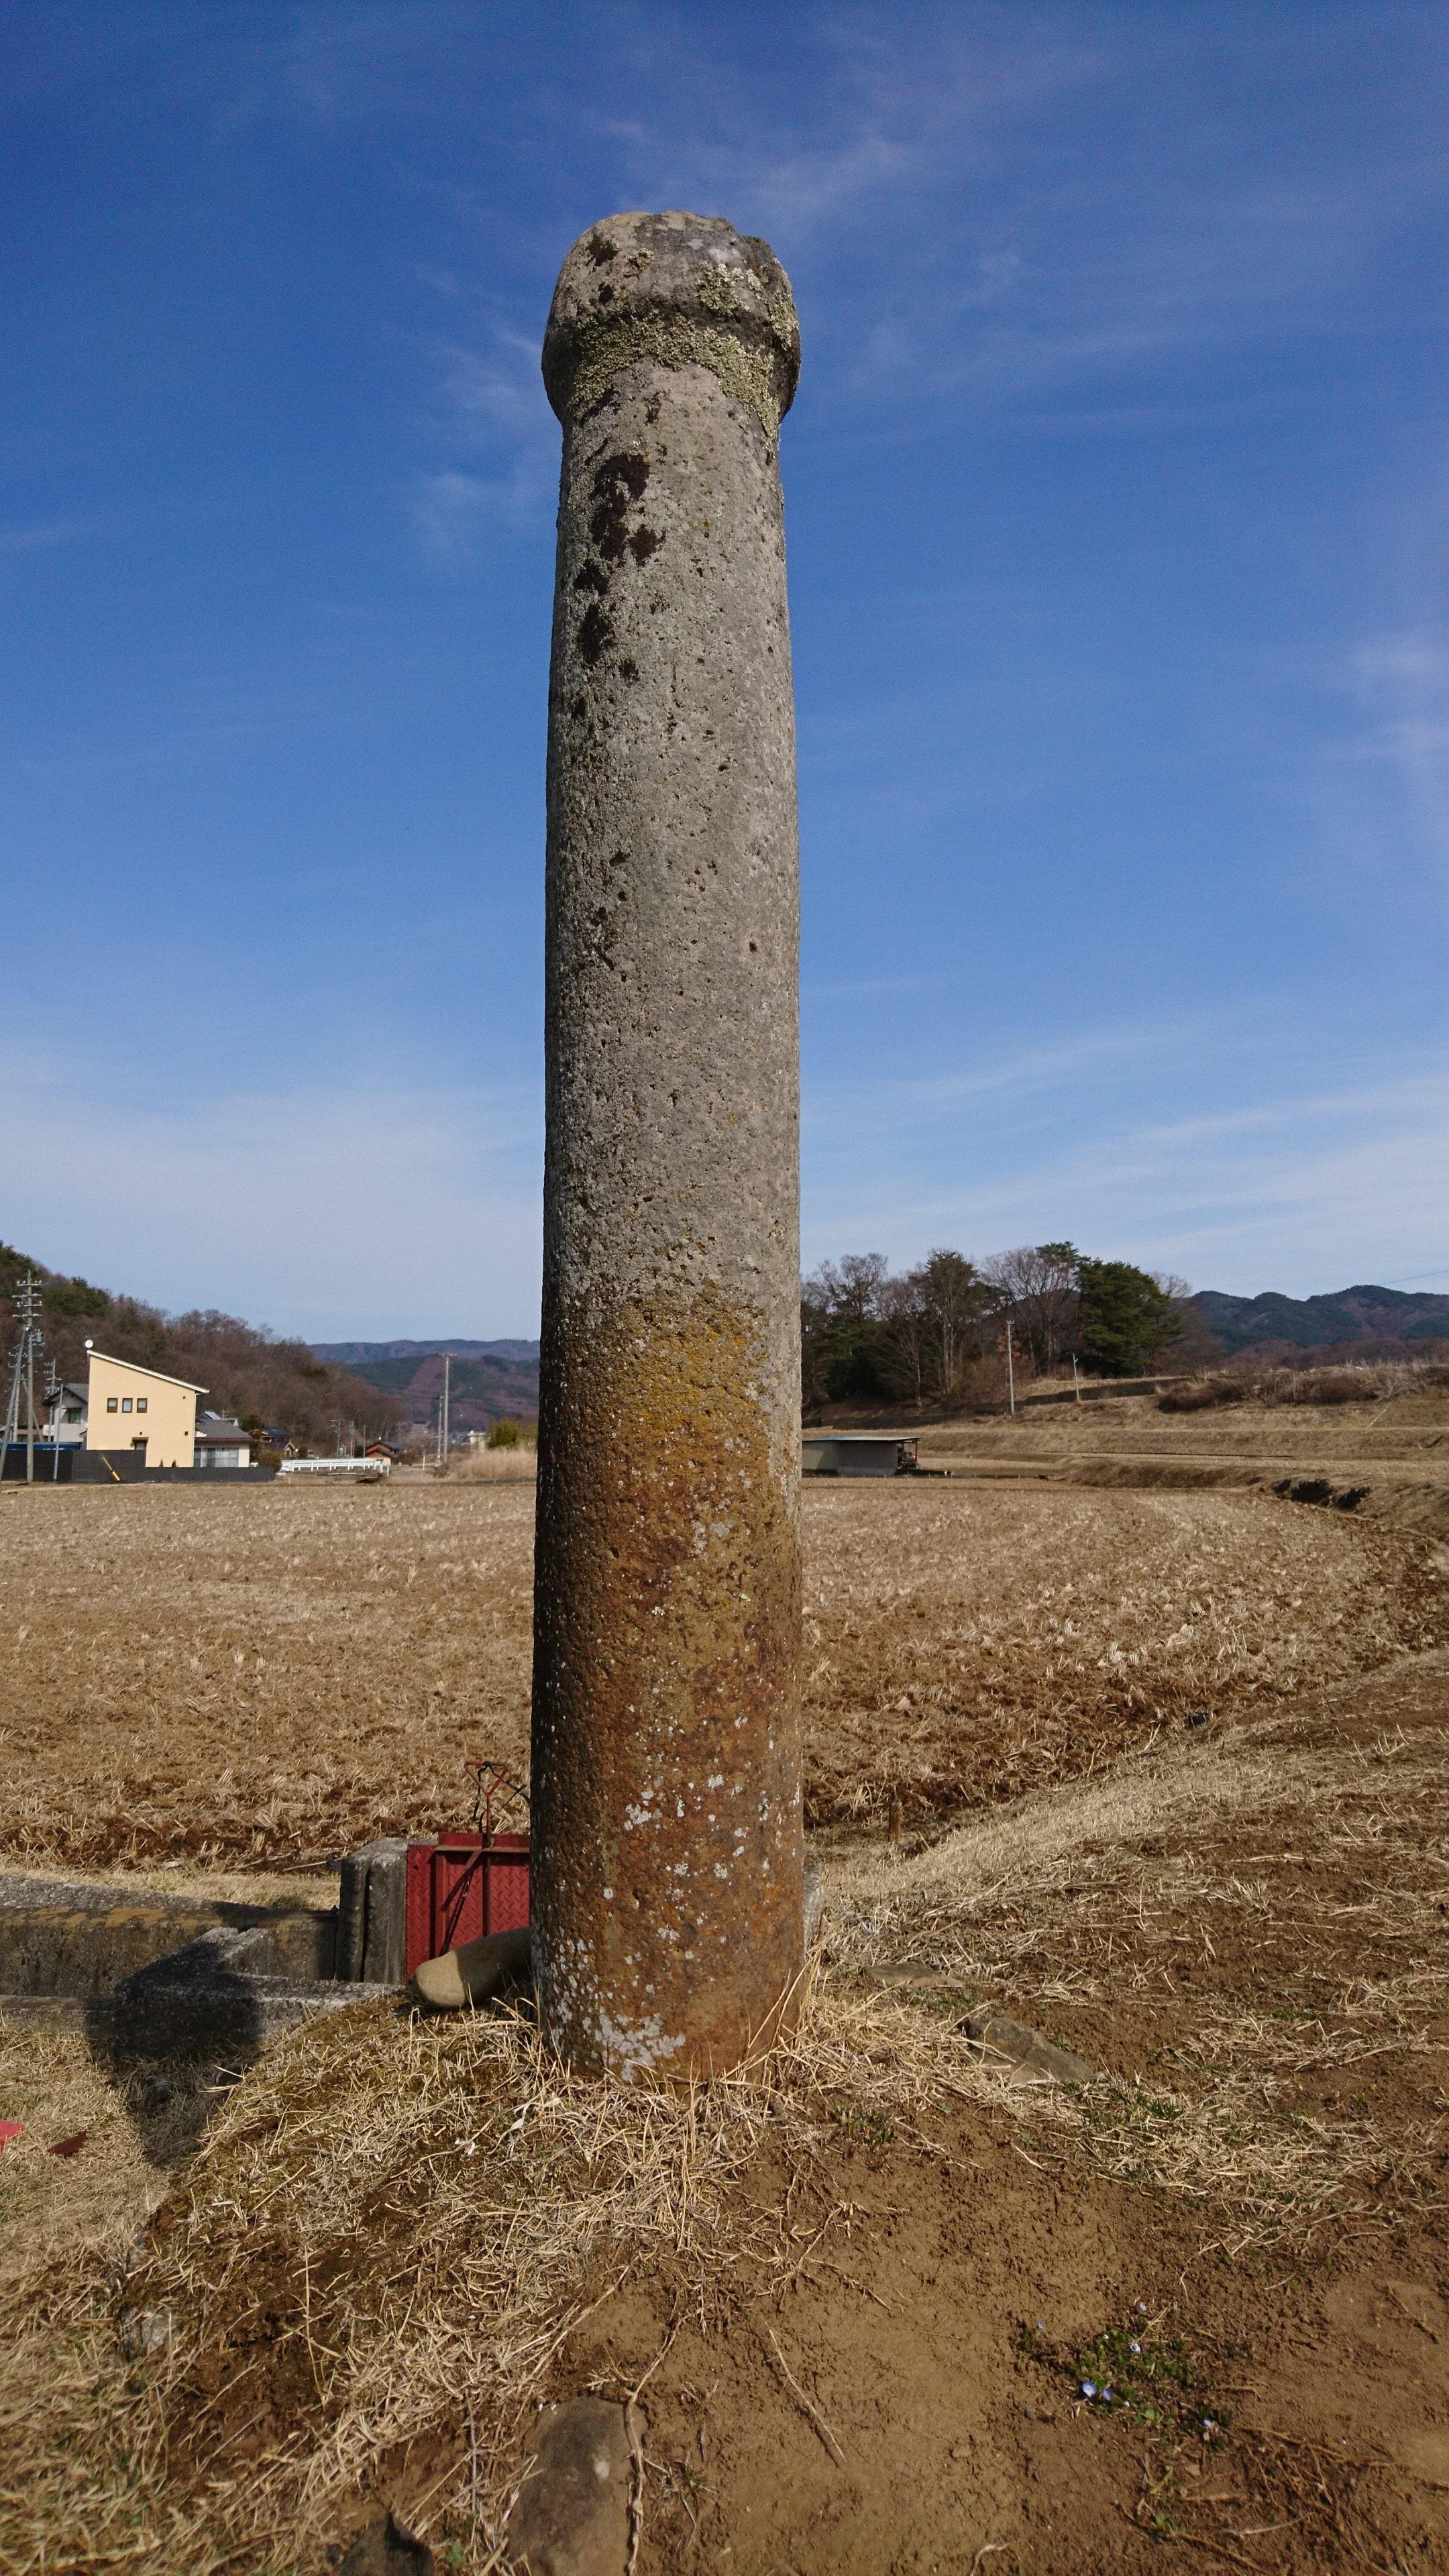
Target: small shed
857	1453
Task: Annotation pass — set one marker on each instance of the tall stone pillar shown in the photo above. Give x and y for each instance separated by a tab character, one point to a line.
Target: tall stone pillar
666	1727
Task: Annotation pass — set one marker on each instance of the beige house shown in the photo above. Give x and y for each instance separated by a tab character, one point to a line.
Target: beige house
127	1405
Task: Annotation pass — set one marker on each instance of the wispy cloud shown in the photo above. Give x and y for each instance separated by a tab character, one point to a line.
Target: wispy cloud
491	413
1298	1191
982	209
325	1211
51	532
1401	683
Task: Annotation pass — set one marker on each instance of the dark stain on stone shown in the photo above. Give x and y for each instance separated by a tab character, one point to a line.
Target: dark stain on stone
620	479
591	576
602	251
595	633
644	543
628	668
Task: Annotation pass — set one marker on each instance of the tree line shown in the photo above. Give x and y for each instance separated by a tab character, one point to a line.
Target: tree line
937	1334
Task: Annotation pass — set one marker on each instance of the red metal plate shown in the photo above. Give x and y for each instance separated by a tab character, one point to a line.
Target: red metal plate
462	1885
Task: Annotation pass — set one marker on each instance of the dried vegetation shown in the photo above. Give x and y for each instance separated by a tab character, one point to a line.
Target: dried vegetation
274	1674
1361	1382
970	1643
395	2237
373	2263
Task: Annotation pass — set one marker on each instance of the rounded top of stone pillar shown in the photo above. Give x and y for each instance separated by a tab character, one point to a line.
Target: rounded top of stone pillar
682	290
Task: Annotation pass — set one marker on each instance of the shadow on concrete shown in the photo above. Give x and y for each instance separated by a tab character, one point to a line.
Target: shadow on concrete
176	2036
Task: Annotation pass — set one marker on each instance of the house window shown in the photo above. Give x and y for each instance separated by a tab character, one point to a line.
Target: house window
141	1403
125	1404
111	1404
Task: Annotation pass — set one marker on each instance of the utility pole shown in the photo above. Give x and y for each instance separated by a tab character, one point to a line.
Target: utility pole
30	1341
443	1410
1010	1375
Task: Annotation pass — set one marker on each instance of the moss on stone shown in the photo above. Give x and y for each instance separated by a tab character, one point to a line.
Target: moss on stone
746	368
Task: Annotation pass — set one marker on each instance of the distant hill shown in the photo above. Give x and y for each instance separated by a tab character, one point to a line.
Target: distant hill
252	1374
490	1380
351	1354
1353	1315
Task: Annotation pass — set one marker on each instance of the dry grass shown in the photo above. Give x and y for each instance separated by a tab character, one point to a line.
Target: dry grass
367	2277
369	2272
277	1678
1411	1428
516	1466
1360	1382
1257	1922
385	2215
971	1643
276	1675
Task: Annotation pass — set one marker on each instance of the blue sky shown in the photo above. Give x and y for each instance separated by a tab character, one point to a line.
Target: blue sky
1116	509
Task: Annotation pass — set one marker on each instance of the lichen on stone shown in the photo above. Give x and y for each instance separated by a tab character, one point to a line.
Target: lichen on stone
746	368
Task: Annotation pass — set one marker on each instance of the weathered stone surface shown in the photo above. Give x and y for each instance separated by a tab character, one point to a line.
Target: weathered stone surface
372	1912
1034	2056
474	1971
81	1936
667	1833
387	2548
679	291
572	2514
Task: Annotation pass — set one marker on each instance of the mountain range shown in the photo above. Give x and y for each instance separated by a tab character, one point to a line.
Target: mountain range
489	1381
493	1379
1327	1323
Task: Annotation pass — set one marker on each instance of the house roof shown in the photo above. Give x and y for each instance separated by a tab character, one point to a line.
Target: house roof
158	1374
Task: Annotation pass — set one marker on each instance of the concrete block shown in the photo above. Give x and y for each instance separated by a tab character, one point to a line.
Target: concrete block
220	1994
372	1913
79	1937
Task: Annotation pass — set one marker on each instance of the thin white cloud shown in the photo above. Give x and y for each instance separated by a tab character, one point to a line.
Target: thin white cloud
34	540
491	412
328	1212
1301	1192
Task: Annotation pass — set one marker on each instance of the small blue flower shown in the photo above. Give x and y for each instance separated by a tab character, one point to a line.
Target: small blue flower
1106	2396
1134	2347
1089	2388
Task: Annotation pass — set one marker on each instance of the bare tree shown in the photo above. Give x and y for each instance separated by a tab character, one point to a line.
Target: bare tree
840	1311
851	1288
906	1336
1037	1286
